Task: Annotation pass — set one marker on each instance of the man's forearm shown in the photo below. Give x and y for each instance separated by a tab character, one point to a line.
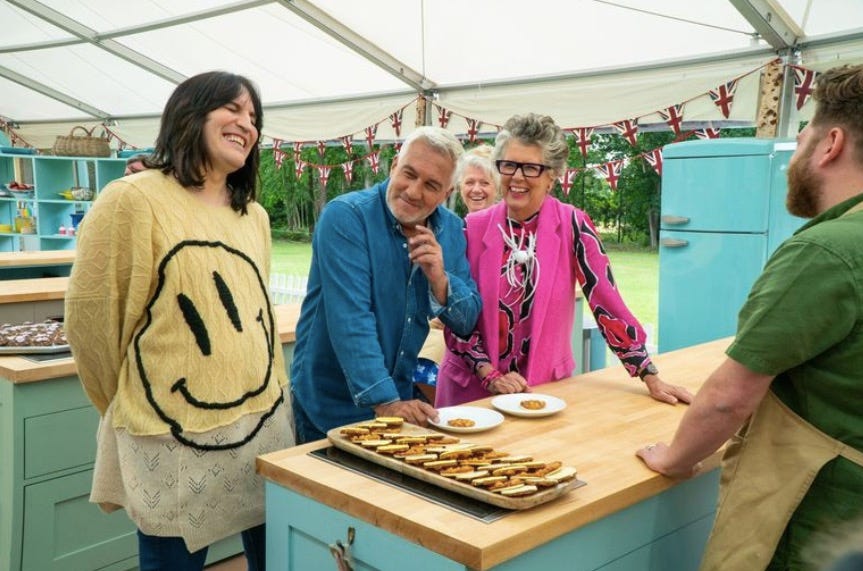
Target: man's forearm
729	396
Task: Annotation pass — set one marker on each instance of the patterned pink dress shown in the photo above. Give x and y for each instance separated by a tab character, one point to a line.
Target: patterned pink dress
618	326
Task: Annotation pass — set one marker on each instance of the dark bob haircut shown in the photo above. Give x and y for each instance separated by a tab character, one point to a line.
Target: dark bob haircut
180	148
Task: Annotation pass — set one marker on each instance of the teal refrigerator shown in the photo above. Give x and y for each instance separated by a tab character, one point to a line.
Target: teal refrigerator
722	215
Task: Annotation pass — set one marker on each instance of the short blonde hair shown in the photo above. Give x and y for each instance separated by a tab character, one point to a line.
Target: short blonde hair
479	157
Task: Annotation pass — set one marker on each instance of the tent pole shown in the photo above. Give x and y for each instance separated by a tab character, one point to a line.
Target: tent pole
788	124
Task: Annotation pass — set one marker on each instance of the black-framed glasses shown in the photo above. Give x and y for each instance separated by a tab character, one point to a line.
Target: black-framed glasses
529	170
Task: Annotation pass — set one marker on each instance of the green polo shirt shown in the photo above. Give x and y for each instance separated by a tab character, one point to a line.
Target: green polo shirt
803	322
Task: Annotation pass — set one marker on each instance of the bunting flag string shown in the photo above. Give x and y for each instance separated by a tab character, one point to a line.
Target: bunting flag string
723	96
396	119
804	84
14	137
322	148
654	159
673	116
298	167
121	144
628	129
582	138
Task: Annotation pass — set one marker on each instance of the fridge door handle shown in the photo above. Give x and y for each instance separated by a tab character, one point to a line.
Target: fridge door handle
674	243
672	220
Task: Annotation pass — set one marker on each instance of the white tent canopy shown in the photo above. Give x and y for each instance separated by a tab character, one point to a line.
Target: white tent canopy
331	68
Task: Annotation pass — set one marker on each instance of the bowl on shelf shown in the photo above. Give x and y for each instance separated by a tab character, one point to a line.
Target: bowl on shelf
20	191
77	193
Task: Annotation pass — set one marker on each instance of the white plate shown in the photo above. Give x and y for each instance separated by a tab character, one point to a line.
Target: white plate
511	404
484	418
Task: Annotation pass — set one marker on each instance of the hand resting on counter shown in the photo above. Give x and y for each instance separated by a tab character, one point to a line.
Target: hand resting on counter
664	392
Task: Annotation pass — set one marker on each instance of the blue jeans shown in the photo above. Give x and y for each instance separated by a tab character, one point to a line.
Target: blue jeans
304	430
170	553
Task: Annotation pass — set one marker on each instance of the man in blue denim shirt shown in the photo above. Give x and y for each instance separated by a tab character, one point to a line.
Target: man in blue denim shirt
384	261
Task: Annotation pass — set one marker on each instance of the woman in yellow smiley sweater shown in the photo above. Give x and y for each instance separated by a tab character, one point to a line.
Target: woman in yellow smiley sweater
174	335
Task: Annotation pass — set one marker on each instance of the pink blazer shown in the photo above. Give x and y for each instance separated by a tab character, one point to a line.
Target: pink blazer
550	356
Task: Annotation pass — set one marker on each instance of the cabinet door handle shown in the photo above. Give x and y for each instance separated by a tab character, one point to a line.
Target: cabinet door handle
673	220
674	243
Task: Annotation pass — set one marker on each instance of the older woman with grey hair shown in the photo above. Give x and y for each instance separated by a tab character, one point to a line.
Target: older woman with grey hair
477	182
527	254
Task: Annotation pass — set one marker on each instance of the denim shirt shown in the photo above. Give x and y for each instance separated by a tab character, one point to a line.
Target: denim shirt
366	312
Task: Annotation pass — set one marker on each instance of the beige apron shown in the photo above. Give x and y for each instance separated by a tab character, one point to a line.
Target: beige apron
766	471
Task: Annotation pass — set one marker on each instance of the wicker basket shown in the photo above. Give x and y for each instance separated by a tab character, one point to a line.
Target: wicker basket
81	144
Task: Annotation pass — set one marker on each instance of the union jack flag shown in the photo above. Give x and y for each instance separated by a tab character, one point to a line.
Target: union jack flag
298	167
349	170
566	180
298	148
374	161
396	118
654	159
804	84
322	147
371	132
611	172
707	133
397	146
324	173
347	143
472	129
723	96
443	116
673	116
628	129
582	138
278	153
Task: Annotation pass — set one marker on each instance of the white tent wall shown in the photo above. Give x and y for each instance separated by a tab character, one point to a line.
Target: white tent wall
115	62
602	99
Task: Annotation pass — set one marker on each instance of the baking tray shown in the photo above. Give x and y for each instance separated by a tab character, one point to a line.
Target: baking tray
41	350
465	489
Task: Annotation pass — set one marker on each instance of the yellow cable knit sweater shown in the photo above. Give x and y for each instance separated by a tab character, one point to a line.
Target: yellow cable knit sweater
168	313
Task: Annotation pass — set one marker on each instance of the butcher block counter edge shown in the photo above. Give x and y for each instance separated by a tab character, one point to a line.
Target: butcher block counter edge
608	417
36	258
33	289
18	369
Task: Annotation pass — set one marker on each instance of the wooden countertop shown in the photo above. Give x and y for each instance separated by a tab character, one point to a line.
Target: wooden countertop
19	369
34	289
36	258
608	417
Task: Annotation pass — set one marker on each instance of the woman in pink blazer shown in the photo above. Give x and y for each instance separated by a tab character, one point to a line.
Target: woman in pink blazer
526	255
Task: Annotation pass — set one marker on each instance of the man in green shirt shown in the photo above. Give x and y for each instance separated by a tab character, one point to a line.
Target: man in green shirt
794	374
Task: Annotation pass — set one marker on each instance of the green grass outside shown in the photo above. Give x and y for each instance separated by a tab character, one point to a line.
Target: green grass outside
636	272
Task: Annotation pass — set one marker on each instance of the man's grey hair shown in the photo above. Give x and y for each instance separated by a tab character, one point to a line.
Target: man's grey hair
441	140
